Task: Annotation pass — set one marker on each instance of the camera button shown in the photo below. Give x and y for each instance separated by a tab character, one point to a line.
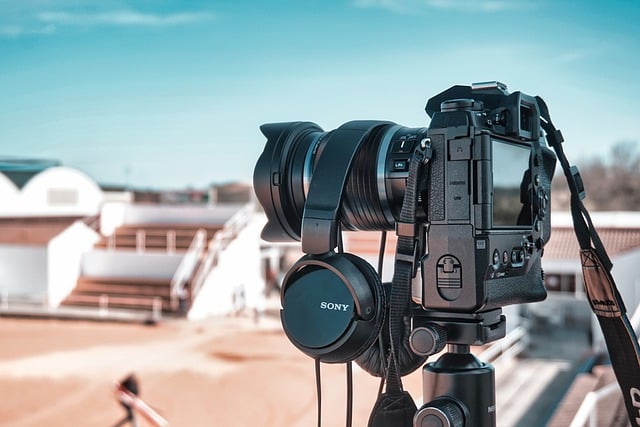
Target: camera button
400	165
460	149
496	258
402	146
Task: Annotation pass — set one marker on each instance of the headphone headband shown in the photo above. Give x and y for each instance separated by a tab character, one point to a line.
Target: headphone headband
320	216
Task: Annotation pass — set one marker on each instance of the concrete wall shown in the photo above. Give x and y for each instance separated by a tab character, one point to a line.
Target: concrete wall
106	263
64	256
23	272
557	308
237	274
625	274
184	214
115	214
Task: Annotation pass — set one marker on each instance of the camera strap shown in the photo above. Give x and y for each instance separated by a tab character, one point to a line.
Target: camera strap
604	298
396	407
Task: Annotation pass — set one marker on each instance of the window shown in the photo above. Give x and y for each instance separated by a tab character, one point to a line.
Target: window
560	282
62	196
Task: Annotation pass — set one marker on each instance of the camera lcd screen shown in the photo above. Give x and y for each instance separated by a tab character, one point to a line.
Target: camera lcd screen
510	168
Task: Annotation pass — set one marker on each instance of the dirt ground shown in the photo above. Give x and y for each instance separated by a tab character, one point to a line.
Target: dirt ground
218	372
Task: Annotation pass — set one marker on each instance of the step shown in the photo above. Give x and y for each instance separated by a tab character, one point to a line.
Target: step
116	301
610	410
125	281
104	288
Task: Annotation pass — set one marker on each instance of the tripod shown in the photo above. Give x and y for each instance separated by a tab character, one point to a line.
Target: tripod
458	389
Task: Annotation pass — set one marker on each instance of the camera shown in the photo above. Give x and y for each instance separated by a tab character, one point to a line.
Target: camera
484	207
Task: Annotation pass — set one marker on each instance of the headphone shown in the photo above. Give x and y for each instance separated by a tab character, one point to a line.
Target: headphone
333	303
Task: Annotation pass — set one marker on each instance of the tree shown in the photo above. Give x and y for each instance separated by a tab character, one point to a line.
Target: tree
612	185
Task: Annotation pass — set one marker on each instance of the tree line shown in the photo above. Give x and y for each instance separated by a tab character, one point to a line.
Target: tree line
612	182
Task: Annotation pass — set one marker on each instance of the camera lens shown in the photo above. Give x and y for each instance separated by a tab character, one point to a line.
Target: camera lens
374	188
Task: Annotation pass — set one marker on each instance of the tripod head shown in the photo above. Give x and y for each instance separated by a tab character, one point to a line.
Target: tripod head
458	389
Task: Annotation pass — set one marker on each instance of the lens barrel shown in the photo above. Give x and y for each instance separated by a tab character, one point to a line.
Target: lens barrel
373	192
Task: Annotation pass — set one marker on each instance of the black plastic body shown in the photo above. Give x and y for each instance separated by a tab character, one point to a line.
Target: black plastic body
474	264
465	381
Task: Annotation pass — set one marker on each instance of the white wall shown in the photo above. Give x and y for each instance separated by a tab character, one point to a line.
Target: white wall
625	274
239	268
185	214
106	263
64	256
114	214
23	272
112	217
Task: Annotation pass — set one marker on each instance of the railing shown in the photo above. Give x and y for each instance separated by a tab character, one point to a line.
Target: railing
93	222
4	298
187	266
507	348
8	299
588	410
218	243
155	305
142	238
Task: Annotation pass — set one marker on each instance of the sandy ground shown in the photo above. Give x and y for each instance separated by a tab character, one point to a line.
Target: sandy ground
219	372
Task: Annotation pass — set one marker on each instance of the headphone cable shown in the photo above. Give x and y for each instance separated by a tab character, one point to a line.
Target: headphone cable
349	393
319	392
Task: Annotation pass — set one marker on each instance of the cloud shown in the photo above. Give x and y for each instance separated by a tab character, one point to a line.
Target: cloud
24	22
122	18
15	30
467	6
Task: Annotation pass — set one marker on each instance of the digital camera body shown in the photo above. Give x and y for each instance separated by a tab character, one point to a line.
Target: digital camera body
484	206
488	210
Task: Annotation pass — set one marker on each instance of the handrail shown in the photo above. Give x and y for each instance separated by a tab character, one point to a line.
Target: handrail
589	408
187	266
93	222
509	346
218	243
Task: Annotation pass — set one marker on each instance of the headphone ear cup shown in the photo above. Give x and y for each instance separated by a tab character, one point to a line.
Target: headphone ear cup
332	306
375	359
378	290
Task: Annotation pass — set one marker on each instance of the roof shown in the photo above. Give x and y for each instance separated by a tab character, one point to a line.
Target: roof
564	244
20	171
619	232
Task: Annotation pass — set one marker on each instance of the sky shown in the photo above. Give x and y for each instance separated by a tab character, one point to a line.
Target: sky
169	94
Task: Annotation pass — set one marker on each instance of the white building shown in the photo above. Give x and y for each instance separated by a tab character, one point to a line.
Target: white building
63	241
567	302
44	228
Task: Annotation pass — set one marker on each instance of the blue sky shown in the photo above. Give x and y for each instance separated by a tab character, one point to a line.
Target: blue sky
167	94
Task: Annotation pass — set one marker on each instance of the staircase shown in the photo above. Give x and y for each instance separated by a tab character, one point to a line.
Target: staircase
610	409
121	293
150	294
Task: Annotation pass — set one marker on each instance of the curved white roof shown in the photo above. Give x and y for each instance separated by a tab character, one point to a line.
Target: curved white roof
56	191
7	187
